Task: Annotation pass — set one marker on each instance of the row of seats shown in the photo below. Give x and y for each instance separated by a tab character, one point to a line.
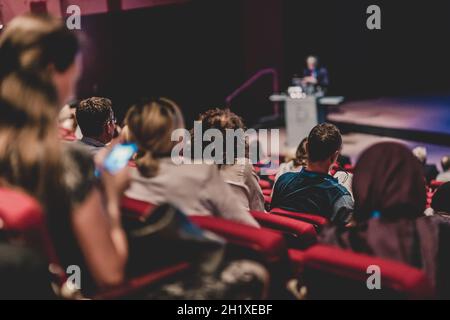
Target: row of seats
285	245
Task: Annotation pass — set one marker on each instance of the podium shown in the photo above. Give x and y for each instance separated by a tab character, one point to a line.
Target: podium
300	115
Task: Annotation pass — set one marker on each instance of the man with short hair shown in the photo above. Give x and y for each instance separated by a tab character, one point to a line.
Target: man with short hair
97	123
313	190
444	176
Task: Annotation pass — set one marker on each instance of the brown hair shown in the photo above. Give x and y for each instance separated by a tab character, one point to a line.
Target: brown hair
323	140
93	114
301	155
151	124
222	119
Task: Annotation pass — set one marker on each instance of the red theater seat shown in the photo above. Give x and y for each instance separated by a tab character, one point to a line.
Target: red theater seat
299	234
21	217
435	184
349	168
267	192
133	208
270	245
134	286
318	221
333	273
264	184
247	242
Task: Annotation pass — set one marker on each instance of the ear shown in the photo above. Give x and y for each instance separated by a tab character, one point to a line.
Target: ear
334	157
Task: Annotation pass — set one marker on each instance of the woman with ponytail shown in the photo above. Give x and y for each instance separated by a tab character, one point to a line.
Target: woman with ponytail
39	67
196	189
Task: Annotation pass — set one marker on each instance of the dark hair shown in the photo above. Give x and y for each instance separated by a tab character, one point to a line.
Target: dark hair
222	119
301	155
92	114
445	162
323	140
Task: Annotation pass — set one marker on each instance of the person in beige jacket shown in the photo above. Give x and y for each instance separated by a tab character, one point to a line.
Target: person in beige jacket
195	189
239	175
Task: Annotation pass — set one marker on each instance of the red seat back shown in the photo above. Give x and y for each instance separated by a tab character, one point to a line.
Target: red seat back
22	216
318	221
22	220
133	208
133	287
270	245
434	184
300	234
264	184
333	273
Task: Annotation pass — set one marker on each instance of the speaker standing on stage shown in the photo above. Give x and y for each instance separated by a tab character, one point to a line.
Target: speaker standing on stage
315	78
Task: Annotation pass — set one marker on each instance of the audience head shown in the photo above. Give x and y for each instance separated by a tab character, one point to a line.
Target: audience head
66	117
96	119
421	154
388	182
150	124
441	199
445	163
223	119
324	144
301	155
39	50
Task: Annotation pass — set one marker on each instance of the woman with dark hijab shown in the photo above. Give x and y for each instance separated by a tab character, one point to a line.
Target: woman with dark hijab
390	198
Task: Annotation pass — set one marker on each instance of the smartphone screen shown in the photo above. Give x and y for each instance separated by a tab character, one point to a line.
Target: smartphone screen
119	156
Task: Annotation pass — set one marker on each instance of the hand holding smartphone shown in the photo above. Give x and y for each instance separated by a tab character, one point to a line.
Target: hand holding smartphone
119	157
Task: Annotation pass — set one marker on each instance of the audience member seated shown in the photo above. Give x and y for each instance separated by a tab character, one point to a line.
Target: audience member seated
196	189
390	199
444	176
301	160
295	165
430	170
97	123
441	200
240	175
68	126
313	190
84	231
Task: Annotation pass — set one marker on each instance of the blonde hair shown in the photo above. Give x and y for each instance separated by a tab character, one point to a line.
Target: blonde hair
30	151
151	124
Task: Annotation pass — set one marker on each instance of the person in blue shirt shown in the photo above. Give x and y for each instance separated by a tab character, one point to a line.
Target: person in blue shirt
313	190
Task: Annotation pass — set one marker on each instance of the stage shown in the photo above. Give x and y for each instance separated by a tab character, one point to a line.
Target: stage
425	119
415	121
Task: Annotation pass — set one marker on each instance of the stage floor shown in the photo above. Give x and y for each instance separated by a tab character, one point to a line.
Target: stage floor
414	121
426	114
